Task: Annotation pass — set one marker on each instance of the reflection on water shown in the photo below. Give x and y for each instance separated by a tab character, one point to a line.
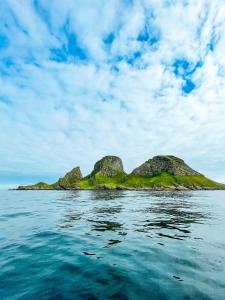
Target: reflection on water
113	242
107	194
175	212
112	245
70	218
70	195
103	225
107	210
113	211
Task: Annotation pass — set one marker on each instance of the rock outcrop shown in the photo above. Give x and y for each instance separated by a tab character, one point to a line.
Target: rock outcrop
70	178
159	173
170	164
108	166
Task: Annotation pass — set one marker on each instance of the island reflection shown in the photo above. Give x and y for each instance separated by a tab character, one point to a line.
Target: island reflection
155	214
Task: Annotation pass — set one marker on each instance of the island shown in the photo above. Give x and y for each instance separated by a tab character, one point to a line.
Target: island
162	172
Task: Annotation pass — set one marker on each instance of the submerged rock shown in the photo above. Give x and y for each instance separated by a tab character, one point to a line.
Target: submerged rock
170	164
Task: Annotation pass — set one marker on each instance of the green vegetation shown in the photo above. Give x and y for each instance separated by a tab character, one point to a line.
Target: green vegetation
37	186
158	173
199	181
162	181
101	181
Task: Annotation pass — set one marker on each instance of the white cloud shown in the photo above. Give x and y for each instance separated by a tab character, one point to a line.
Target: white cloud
57	114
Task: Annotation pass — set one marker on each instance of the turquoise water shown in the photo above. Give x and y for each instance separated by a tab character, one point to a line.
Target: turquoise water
112	245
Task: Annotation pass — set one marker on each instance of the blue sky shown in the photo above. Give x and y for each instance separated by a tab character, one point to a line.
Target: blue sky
85	78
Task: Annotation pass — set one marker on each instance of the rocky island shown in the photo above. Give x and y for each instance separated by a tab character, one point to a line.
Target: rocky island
158	173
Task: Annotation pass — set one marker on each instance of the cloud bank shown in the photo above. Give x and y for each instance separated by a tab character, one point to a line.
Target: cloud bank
86	78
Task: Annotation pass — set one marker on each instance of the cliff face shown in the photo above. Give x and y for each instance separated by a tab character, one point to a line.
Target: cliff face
108	166
170	164
70	179
159	173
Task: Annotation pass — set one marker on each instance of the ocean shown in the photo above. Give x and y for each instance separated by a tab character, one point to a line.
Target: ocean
112	245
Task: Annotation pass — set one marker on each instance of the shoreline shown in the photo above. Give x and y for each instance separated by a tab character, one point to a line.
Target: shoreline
185	189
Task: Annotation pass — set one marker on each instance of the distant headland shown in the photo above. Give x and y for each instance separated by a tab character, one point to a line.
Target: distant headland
162	172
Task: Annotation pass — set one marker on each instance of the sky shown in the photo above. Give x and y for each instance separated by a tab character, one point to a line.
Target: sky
81	79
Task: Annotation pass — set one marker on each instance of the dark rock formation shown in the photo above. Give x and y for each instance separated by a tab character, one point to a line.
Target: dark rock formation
170	164
108	166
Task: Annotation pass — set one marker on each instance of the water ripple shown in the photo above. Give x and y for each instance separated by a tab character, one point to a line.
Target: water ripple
112	245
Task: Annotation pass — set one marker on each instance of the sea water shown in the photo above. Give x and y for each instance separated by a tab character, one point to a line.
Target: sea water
112	245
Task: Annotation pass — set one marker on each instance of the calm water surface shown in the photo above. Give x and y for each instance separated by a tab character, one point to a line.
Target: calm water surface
112	245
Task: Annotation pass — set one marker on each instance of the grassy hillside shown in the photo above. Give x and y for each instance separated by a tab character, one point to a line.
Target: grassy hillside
162	181
38	186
